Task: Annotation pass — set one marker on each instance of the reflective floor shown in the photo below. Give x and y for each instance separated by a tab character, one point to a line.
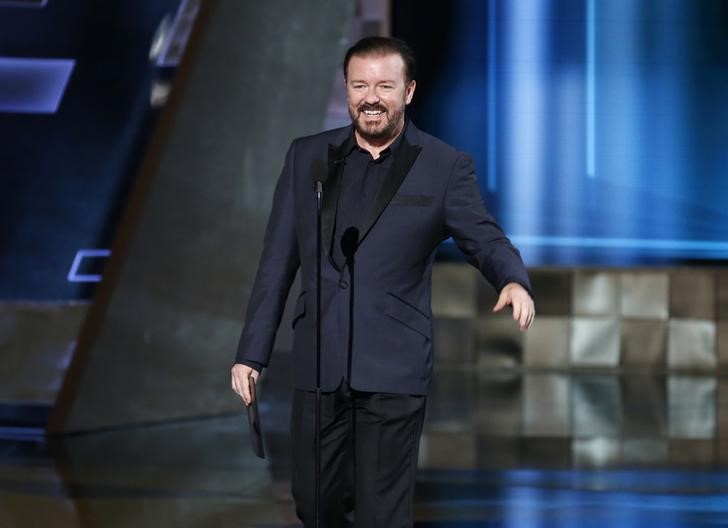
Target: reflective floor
499	449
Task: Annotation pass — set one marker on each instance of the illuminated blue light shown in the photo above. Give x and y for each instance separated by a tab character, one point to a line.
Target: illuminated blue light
622	243
81	254
23	3
492	98
669	136
33	86
524	104
591	170
576	498
712	247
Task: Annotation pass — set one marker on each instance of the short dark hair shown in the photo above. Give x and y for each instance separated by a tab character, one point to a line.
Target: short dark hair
383	46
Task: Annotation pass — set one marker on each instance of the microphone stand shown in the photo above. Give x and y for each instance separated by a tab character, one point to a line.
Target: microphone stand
349	243
317	507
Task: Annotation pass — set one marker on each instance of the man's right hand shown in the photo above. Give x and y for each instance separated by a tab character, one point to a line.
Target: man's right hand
241	376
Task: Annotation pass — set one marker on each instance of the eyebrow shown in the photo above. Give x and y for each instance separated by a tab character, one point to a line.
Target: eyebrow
380	82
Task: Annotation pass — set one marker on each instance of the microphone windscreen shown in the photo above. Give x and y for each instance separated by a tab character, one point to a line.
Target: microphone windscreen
349	242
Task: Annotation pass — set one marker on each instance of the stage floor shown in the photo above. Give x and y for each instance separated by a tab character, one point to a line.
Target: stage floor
506	448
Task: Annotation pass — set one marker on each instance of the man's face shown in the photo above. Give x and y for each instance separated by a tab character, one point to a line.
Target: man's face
377	92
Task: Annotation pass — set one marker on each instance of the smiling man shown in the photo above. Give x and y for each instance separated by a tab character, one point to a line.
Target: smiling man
377	91
392	194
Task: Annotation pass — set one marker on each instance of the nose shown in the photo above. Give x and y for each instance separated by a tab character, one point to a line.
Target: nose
371	97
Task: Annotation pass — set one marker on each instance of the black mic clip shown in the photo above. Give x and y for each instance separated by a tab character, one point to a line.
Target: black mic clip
349	242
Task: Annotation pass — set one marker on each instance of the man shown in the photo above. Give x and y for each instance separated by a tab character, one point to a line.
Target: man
391	195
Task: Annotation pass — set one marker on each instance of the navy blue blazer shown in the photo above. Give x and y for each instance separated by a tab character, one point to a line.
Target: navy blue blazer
430	194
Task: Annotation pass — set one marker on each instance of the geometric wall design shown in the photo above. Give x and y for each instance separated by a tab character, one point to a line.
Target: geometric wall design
626	319
580	419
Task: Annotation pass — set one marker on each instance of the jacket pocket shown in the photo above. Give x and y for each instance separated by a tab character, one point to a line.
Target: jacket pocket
300	309
408	315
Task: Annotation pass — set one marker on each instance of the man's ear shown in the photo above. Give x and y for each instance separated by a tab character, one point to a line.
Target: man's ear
410	91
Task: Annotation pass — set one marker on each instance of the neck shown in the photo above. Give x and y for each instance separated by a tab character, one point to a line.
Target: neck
376	145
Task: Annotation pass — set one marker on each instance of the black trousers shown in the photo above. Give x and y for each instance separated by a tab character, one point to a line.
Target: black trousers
369	446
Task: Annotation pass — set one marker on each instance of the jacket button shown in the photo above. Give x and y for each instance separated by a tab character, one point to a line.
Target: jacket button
343	284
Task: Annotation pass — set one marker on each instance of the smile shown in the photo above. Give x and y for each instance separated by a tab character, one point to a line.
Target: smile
373	113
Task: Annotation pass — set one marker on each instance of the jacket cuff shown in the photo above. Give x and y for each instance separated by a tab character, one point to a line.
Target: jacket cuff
252	364
526	285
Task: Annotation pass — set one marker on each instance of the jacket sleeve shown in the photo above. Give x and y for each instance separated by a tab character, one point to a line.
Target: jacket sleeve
276	270
476	232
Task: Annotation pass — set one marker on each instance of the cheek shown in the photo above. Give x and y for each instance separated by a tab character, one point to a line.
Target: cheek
352	98
395	103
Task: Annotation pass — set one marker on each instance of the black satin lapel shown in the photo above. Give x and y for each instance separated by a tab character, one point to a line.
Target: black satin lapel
404	158
331	196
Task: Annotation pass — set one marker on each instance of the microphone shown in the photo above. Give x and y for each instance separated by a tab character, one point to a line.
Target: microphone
349	242
319	173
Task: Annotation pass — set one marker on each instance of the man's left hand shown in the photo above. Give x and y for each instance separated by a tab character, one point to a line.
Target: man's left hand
516	296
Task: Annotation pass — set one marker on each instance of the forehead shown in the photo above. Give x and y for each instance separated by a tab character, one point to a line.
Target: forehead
389	66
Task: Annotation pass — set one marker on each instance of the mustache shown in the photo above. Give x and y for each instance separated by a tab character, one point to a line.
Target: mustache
375	107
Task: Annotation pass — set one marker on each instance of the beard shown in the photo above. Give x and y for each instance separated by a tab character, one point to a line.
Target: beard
384	128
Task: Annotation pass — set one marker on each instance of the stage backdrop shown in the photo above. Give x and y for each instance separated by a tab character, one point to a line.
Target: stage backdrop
160	337
598	127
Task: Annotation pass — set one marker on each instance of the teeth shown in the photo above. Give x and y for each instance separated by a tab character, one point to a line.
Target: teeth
373	112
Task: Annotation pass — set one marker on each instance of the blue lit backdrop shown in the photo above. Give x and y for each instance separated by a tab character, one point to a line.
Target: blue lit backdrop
598	127
75	82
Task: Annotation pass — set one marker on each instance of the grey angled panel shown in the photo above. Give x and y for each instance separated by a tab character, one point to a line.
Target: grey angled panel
454	290
597	406
552	291
595	342
546	343
644	295
453	340
498	342
692	406
723	295
597	452
637	451
644	343
498	405
595	293
722	346
644	398
547	405
692	344
693	294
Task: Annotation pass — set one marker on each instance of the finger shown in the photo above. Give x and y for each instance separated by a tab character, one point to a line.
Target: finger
502	303
241	389
525	320
234	384
237	387
531	316
517	310
246	390
526	311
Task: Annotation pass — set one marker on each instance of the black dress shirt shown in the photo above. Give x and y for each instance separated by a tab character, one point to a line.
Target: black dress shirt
361	180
